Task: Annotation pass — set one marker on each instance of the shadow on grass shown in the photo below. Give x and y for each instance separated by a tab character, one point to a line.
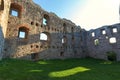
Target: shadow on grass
70	69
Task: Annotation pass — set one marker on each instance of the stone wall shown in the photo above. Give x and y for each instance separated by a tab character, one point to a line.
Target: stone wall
30	20
23	23
4	11
102	40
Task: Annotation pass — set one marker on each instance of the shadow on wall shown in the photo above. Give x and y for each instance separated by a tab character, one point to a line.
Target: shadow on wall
1	43
34	47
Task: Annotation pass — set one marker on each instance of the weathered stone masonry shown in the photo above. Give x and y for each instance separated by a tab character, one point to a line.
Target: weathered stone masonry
29	19
23	23
4	10
102	40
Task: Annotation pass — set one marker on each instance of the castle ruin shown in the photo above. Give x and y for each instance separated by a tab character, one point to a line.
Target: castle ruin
20	35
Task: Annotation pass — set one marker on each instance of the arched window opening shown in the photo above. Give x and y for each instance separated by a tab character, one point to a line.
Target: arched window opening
23	32
45	20
15	10
96	42
2	5
43	36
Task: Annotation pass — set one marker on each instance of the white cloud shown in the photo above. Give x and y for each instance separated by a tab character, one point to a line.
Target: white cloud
96	13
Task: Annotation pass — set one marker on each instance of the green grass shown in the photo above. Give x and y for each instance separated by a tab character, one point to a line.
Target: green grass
69	69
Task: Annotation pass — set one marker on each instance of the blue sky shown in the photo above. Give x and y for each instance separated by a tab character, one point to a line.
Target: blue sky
61	7
89	14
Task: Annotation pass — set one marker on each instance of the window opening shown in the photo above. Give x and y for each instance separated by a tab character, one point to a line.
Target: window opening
23	32
112	40
14	13
96	42
93	34
114	30
43	36
103	32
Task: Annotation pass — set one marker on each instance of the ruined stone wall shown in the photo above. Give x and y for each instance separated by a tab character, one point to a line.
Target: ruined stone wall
29	19
23	22
4	10
102	40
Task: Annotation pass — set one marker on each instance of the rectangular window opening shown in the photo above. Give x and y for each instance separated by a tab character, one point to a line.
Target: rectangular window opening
114	30
112	40
14	13
103	32
22	34
93	34
44	21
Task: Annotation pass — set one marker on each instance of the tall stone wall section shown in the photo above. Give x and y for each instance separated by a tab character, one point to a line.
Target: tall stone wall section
99	41
4	11
30	20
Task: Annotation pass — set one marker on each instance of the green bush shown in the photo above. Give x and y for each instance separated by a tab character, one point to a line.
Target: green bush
111	55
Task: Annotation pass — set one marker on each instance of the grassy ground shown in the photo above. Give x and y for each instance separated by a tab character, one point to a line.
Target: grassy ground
70	69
